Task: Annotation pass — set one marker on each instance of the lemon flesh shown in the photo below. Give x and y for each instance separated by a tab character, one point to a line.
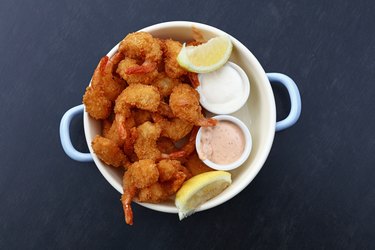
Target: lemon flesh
206	57
199	189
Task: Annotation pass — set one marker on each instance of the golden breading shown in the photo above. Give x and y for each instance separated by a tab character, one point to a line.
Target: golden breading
96	104
142	173
184	102
145	145
142	96
108	151
172	68
127	63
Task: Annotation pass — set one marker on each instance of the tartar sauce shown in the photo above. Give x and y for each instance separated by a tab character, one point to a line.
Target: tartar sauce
225	90
222	144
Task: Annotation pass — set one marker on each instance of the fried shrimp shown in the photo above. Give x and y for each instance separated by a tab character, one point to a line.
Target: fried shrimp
108	151
142	96
165	84
97	105
174	128
145	145
141	46
122	113
196	165
128	63
154	194
184	102
140	174
104	88
171	177
172	67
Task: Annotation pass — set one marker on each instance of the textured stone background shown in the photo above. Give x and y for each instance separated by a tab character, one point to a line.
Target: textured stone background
316	190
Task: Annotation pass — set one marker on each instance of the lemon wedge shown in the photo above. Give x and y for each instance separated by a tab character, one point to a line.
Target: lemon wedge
206	57
199	189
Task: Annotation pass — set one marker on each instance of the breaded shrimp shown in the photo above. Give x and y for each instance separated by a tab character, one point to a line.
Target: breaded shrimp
145	145
143	173
108	151
172	67
142	96
111	84
196	165
104	88
171	177
154	194
174	128
146	78
141	46
140	174
184	102
122	113
97	105
165	84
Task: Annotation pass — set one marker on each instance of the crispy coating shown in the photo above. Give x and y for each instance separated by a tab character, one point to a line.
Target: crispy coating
123	121
184	102
106	126
165	84
104	88
141	45
167	168
142	96
144	47
196	165
172	67
96	104
145	145
108	151
111	84
140	174
154	194
143	173
171	177
175	128
114	135
128	63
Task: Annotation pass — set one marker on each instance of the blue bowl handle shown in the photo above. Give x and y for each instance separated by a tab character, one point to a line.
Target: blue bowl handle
295	99
65	135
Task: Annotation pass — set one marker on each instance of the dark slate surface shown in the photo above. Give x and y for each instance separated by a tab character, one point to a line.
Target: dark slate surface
316	190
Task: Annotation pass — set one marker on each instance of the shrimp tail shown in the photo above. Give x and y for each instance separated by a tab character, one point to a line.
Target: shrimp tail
146	67
204	122
174	155
103	63
193	77
126	200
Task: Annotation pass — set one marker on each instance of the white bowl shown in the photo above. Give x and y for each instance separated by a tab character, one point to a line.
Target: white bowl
247	149
259	114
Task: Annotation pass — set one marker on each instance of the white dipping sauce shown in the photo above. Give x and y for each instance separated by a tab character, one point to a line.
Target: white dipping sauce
225	90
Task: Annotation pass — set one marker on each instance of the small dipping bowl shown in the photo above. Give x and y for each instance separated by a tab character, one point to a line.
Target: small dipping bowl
247	148
224	91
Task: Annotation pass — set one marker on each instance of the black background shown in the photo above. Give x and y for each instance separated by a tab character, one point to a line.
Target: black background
316	189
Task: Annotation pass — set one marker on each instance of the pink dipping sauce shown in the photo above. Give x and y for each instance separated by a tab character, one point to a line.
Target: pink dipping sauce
222	144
